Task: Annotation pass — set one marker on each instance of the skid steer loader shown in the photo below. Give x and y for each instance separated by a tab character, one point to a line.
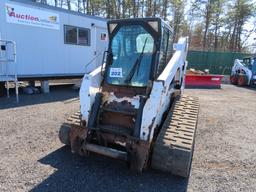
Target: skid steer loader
243	72
132	107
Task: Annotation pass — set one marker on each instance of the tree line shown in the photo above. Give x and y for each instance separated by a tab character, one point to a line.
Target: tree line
217	25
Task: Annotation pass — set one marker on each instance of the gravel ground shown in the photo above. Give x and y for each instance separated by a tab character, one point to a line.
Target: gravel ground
33	159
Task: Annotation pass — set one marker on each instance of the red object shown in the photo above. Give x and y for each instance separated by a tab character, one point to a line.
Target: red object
203	81
242	80
234	79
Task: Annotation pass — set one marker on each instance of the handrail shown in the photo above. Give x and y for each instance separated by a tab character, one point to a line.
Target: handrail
91	61
9	77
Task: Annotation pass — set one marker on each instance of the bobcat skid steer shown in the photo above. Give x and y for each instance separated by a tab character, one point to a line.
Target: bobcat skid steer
243	72
132	107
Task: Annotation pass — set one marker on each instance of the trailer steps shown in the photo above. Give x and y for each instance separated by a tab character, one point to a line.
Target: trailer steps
8	57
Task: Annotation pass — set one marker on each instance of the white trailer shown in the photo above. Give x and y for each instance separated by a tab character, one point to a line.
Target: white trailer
52	42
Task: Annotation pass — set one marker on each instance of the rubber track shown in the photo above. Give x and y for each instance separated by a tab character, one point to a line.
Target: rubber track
173	149
73	120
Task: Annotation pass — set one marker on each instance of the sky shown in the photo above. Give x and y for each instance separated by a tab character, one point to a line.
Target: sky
251	42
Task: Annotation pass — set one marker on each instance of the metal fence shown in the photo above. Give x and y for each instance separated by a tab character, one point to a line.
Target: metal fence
216	62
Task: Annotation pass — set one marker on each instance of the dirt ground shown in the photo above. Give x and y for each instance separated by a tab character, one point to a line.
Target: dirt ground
33	159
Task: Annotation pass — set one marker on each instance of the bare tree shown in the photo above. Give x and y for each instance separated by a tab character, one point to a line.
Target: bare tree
69	4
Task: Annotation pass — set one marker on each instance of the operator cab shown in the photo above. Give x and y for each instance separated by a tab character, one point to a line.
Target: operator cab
253	65
253	69
138	51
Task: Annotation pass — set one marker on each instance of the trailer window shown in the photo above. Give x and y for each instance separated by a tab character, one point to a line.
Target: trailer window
70	35
76	35
83	36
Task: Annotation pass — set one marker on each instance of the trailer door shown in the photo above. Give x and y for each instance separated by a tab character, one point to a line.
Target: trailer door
101	41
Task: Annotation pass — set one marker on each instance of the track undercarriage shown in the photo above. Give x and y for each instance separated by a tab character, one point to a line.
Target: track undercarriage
172	150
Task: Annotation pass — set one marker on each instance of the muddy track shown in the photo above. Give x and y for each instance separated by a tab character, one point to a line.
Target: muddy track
173	149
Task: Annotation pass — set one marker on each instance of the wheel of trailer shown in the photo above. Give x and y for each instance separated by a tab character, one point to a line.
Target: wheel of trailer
234	79
64	134
242	80
174	145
